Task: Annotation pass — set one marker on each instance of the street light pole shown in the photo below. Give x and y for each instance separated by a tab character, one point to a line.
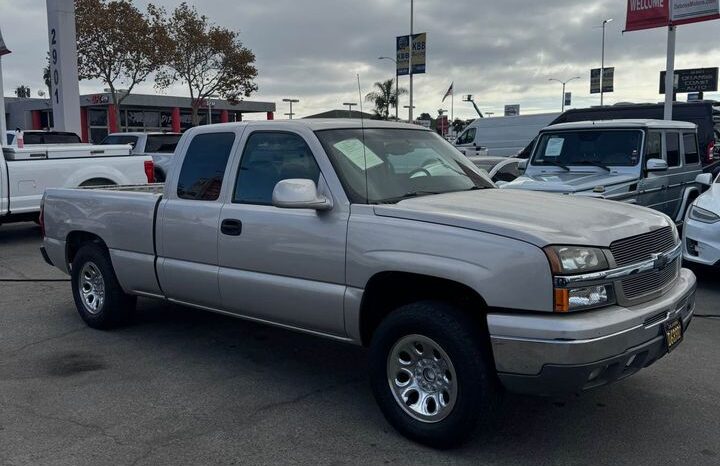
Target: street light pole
412	13
291	102
397	88
564	83
602	63
349	105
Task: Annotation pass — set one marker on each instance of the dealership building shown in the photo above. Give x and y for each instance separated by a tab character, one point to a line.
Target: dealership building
138	112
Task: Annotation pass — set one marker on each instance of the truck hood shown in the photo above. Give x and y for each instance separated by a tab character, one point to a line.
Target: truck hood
533	217
568	182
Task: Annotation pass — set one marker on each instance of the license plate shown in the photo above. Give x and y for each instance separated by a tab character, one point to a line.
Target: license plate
673	334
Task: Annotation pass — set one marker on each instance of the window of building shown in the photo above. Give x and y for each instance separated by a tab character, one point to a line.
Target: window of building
269	158
203	169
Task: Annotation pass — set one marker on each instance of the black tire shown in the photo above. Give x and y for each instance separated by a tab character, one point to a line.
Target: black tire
116	307
467	347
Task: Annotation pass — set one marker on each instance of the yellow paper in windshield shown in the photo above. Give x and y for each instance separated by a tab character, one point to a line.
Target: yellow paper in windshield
358	153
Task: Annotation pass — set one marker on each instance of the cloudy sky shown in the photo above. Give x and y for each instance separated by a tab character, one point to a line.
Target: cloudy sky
502	51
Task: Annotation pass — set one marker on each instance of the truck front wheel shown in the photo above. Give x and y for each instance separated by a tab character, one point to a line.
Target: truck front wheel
431	373
99	299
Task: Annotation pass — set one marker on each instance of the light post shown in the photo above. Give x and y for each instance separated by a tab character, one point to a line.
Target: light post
409	109
291	102
602	63
410	62
564	83
350	105
397	90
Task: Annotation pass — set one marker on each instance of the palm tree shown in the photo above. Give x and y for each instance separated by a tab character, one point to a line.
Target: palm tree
383	97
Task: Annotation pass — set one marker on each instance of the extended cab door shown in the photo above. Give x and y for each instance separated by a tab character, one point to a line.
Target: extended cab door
188	220
285	266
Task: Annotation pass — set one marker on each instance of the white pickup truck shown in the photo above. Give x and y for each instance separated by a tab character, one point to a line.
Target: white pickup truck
26	172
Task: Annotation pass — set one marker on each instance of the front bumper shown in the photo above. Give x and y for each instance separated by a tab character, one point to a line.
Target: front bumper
701	242
550	353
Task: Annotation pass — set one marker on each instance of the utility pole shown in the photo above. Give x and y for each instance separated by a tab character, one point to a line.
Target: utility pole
350	105
564	83
397	88
3	123
410	107
291	102
602	63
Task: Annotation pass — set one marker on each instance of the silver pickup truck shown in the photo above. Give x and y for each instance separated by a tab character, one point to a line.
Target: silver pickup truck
385	236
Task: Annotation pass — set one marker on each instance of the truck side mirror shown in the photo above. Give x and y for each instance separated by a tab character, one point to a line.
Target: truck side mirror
704	179
656	165
522	165
299	194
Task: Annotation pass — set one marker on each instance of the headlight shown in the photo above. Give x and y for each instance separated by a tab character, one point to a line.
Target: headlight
702	215
576	299
575	259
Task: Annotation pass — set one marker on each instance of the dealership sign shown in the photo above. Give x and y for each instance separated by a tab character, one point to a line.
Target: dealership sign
696	80
608	80
403	48
512	110
648	14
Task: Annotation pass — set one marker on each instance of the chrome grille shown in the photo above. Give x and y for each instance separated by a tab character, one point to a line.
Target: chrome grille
639	248
646	283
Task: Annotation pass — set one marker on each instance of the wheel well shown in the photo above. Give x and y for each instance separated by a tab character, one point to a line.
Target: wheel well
97	182
76	240
387	291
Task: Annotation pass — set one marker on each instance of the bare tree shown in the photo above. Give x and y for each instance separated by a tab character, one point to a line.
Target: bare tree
209	59
117	44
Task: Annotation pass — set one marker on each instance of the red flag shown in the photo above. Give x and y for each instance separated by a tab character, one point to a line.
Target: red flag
449	92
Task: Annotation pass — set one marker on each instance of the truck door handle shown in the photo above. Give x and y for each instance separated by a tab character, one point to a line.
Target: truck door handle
231	227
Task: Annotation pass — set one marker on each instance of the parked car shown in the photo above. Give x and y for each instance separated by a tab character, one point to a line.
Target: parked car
355	233
160	146
35	137
650	163
705	114
499	169
701	233
26	173
502	136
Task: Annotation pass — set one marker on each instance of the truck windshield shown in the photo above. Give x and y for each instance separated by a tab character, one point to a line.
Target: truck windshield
380	166
589	147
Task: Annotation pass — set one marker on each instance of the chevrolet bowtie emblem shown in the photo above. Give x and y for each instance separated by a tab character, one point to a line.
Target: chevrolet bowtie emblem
660	261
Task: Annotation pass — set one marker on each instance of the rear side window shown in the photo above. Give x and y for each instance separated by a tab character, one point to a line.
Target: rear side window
119	139
203	169
672	141
162	143
692	155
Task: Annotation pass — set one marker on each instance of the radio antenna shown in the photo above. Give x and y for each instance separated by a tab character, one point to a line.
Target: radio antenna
362	127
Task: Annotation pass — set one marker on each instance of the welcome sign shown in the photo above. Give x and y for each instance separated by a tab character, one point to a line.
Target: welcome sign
648	14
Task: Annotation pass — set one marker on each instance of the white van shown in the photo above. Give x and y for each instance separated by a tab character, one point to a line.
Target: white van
502	136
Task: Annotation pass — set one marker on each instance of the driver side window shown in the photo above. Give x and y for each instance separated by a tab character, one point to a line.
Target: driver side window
653	146
269	158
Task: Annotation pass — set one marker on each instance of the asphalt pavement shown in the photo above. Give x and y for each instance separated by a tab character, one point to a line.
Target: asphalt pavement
181	386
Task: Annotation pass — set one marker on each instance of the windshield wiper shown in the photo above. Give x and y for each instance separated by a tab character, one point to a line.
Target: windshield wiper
557	164
595	164
410	195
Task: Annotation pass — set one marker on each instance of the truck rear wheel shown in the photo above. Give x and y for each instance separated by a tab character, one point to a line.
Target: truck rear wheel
431	373
99	299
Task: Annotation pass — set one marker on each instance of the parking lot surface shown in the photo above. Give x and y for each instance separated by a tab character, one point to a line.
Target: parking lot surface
180	386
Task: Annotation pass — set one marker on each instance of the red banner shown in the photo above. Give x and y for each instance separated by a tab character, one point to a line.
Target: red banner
647	14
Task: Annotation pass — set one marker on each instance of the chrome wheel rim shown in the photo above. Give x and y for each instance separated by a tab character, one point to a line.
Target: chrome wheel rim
92	288
422	378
